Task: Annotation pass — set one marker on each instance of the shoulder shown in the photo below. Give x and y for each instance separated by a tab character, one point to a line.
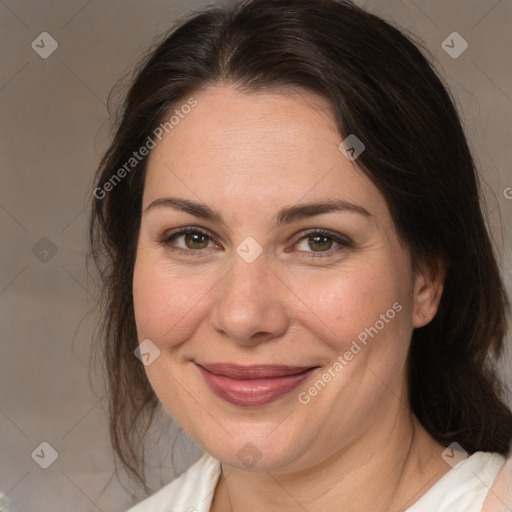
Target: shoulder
499	497
465	487
190	492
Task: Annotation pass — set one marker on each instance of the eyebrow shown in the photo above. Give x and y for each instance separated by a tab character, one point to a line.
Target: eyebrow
285	216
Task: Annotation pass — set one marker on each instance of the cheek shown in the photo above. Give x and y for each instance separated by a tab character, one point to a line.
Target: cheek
166	300
340	305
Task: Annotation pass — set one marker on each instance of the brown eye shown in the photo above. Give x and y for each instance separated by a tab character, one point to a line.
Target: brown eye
196	240
189	239
320	243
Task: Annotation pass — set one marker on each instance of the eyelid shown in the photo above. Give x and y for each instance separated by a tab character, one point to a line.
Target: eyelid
178	232
327	232
187	229
342	240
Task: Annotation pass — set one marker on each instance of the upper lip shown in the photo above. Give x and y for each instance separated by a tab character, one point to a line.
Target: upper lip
260	371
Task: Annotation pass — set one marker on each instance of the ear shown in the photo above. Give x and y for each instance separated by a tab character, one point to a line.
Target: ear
428	288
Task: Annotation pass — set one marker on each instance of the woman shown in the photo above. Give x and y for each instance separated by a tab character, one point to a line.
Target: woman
288	223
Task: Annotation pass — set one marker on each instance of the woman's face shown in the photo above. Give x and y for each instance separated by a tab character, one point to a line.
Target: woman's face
267	276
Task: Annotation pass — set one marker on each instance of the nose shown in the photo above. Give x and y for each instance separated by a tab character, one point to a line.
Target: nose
250	306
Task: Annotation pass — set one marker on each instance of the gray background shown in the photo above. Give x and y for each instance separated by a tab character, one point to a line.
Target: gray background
55	127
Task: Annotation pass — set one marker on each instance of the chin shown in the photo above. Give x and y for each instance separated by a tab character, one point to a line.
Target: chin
253	453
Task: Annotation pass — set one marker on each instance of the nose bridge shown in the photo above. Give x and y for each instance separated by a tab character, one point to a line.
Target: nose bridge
248	302
245	276
246	287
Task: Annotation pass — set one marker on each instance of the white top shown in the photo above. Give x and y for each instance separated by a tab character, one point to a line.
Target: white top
463	489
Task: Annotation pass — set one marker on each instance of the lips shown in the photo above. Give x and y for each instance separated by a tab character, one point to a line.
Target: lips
252	385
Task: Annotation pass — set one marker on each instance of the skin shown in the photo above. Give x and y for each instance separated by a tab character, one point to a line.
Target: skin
356	445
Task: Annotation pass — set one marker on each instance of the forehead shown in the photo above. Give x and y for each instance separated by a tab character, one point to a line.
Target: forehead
261	149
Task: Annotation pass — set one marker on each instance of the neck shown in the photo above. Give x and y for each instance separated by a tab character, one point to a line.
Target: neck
388	470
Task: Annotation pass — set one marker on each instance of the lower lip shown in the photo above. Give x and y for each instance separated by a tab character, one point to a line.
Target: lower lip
252	392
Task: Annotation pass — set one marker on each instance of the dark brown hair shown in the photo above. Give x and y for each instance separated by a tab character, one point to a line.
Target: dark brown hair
381	88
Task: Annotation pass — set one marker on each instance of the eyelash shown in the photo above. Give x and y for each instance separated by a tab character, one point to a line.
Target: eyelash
343	242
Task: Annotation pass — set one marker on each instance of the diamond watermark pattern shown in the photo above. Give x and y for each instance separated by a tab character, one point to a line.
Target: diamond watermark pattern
44	45
351	147
249	249
45	455
454	455
249	455
147	352
454	45
44	250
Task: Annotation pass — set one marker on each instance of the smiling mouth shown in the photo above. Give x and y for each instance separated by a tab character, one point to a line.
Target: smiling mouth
253	385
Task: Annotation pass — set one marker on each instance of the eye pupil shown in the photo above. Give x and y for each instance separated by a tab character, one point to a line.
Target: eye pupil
320	242
196	240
